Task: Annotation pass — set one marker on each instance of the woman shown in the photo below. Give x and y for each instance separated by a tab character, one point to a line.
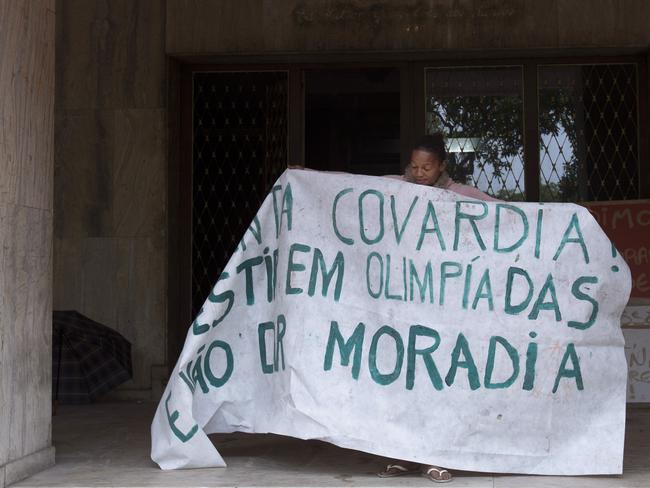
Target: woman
428	167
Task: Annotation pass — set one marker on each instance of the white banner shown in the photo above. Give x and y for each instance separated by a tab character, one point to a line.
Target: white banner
413	323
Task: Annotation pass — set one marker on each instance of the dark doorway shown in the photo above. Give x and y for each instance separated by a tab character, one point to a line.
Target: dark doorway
352	120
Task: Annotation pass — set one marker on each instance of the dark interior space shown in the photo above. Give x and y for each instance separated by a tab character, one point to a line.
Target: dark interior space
352	120
239	150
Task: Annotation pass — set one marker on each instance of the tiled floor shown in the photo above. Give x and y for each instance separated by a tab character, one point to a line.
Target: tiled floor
108	445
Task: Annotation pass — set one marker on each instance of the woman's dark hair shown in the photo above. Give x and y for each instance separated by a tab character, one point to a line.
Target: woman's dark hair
434	144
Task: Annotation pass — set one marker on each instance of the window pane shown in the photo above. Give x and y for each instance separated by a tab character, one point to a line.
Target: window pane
588	132
480	112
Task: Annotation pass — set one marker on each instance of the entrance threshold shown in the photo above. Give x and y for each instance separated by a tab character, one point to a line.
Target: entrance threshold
108	444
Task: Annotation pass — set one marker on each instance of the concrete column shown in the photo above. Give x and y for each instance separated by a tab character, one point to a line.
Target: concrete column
26	175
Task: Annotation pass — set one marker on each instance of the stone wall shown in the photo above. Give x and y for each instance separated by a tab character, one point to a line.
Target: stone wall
26	152
110	177
269	26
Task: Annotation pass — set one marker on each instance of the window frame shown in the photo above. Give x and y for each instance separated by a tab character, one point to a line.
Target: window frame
530	78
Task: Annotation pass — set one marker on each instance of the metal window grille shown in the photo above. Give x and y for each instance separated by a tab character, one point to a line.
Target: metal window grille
480	112
588	129
239	148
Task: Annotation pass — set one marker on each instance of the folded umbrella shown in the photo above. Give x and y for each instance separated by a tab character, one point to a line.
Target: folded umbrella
88	358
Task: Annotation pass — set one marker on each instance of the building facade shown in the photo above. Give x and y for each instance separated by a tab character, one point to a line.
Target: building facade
165	108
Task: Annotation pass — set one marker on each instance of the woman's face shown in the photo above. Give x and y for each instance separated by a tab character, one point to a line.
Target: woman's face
426	168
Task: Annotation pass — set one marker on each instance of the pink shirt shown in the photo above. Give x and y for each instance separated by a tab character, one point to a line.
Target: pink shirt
468	191
464	190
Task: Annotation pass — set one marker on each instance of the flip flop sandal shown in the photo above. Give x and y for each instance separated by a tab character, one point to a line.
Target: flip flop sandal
393	470
436	474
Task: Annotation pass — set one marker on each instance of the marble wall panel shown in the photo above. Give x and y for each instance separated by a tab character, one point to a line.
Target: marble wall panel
204	27
99	287
25	330
110	54
83	169
26	173
68	278
36	317
142	303
518	24
76	83
119	282
139	174
604	22
26	103
9	139
7	336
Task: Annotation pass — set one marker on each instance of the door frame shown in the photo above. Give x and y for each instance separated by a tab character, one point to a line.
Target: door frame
412	67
